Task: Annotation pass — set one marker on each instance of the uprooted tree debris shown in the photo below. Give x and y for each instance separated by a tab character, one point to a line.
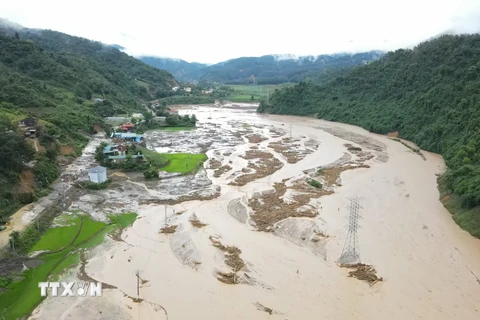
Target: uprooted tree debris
270	208
363	272
232	259
168	229
197	223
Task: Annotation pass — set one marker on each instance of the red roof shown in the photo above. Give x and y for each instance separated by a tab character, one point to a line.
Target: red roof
129	125
123	128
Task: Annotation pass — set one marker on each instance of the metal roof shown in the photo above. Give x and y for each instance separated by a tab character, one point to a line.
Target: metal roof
98	169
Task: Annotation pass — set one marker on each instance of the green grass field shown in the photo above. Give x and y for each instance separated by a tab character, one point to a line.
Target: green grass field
183	162
244	93
91	234
177	162
55	238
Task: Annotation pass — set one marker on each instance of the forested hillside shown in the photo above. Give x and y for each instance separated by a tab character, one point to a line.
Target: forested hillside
52	77
270	69
180	69
430	95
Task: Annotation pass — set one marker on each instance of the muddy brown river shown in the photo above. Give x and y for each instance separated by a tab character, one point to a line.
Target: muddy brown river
251	238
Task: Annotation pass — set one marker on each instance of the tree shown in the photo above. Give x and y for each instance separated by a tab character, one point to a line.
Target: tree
148	116
252	98
17	36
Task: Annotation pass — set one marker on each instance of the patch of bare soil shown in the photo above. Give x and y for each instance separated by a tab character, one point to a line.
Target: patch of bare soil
363	272
83	276
225	168
270	208
255	138
26	182
232	259
393	134
331	175
197	223
263	168
64	150
255	154
214	164
168	229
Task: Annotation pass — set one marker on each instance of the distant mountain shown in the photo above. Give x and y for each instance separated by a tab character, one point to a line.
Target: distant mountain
269	69
180	69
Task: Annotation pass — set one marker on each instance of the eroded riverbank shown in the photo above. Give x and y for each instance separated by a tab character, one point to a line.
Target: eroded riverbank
269	241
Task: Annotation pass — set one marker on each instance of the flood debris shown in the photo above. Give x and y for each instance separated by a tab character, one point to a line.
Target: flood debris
221	170
263	168
255	154
261	307
214	163
331	175
363	272
232	259
255	138
270	208
169	229
197	223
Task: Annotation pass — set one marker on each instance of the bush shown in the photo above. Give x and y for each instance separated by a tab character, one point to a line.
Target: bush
95	186
151	173
315	183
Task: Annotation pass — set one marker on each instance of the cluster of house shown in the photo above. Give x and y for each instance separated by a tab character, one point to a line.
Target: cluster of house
126	133
30	124
118	153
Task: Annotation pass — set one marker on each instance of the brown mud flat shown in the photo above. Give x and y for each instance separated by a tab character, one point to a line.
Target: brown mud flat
168	230
232	259
221	170
331	175
255	138
263	168
270	208
363	272
255	154
181	199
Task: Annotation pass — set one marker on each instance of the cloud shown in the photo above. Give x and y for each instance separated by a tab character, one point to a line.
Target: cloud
213	30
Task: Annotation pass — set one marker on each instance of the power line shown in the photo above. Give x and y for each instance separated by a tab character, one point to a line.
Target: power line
351	249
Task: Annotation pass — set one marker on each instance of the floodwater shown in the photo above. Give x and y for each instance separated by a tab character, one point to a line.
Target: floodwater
428	264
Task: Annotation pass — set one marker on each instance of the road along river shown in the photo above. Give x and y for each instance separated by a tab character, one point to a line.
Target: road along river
249	237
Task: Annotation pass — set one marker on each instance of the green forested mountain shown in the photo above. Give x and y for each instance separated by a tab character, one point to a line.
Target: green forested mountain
430	95
269	69
53	77
180	69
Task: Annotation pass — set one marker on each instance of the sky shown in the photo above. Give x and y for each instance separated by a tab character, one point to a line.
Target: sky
211	31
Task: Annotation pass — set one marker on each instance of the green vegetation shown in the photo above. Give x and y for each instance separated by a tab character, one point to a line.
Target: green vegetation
55	238
55	78
315	183
90	233
267	69
184	162
244	93
430	95
154	157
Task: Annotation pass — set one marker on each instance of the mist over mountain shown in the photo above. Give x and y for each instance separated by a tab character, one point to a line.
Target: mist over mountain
269	69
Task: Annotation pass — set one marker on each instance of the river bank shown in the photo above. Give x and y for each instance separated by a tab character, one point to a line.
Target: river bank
284	266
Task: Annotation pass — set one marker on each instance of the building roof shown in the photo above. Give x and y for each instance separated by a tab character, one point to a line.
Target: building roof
128	125
98	169
109	148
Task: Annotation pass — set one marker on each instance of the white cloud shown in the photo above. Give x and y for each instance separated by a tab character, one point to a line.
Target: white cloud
214	30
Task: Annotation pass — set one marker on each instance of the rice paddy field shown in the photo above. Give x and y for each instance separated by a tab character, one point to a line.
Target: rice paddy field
244	93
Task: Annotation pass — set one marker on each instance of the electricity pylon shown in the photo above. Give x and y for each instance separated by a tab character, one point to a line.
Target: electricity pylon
351	250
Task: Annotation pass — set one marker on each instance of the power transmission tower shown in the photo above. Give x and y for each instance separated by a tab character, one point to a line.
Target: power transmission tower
351	250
